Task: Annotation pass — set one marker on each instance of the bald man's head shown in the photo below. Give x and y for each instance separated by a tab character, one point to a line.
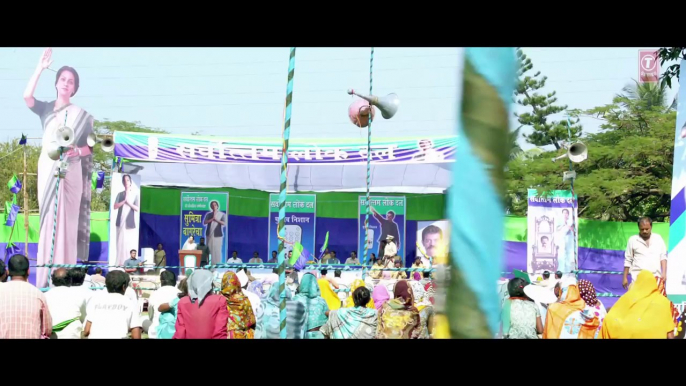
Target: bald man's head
60	278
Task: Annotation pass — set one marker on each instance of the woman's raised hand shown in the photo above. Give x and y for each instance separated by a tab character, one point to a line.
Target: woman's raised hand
45	59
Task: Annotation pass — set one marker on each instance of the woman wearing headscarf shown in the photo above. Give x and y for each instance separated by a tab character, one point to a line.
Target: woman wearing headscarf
641	313
358	322
327	293
315	306
426	312
257	287
399	318
269	321
168	313
201	314
350	301
380	296
566	318
241	321
594	307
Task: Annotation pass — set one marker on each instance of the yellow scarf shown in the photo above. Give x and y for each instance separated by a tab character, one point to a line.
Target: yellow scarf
349	303
641	313
331	298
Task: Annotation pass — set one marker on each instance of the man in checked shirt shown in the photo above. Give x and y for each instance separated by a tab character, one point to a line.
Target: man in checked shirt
24	311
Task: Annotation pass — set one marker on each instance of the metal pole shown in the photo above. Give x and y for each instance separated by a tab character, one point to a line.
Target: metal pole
369	177
26	208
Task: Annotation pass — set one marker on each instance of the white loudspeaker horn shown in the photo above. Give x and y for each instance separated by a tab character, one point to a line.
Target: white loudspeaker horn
54	151
577	152
388	105
106	142
64	136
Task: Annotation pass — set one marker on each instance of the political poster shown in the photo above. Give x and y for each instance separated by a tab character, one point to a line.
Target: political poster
552	232
300	221
205	215
125	214
386	218
433	240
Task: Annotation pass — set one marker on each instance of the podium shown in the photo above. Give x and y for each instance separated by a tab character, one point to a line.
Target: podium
189	256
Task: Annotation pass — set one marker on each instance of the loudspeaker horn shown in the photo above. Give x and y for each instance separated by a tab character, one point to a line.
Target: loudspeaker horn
577	152
387	105
54	150
64	136
106	142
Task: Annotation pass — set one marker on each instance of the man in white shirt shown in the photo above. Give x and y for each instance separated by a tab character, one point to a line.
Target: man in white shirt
352	259
164	294
645	251
77	276
65	307
112	315
234	259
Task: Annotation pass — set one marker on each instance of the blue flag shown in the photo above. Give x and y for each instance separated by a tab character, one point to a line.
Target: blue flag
11	211
22	141
14	184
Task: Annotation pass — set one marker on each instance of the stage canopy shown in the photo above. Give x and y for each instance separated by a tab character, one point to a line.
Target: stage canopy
420	165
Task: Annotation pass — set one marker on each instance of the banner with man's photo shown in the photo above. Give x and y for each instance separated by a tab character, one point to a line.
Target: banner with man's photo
552	232
125	216
433	240
300	221
205	215
387	218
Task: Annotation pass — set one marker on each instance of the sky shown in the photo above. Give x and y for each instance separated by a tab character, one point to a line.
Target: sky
240	92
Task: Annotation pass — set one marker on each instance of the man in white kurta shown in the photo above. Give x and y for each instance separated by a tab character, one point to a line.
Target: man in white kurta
65	307
645	250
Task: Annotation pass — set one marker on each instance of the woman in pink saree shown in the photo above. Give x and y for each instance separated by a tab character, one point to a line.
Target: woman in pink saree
72	233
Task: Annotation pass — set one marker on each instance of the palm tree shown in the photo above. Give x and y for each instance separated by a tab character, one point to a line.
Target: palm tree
652	94
515	149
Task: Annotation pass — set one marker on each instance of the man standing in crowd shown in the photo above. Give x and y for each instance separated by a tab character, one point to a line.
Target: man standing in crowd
76	277
65	307
645	250
24	312
353	259
3	272
112	315
205	258
164	294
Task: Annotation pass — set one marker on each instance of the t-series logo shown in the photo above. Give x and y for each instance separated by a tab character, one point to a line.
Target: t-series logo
648	66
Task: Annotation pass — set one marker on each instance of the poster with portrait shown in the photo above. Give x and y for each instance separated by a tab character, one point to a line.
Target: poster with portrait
387	218
433	240
125	214
205	215
552	232
300	221
676	262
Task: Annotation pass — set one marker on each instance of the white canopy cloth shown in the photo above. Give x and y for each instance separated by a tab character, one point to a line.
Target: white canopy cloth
398	166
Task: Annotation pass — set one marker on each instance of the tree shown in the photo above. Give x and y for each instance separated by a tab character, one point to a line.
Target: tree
515	149
629	170
546	131
651	94
668	54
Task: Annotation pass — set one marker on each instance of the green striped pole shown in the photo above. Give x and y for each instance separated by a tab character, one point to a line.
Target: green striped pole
282	195
369	176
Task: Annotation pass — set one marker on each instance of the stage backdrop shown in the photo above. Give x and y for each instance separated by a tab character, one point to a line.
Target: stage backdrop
201	217
552	238
387	218
300	221
432	237
125	202
676	265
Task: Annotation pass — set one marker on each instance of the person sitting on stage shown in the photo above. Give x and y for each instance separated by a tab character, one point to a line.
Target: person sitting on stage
255	258
205	258
274	258
352	259
378	264
132	265
234	258
333	259
398	275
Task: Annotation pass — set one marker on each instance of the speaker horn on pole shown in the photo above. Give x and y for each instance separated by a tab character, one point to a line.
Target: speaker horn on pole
387	105
577	152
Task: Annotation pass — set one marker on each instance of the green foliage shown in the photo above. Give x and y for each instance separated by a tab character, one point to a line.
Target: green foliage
546	130
668	54
650	94
629	170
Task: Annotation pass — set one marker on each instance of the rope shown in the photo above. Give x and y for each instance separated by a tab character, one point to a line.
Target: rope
369	160
309	267
282	195
575	272
10	153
